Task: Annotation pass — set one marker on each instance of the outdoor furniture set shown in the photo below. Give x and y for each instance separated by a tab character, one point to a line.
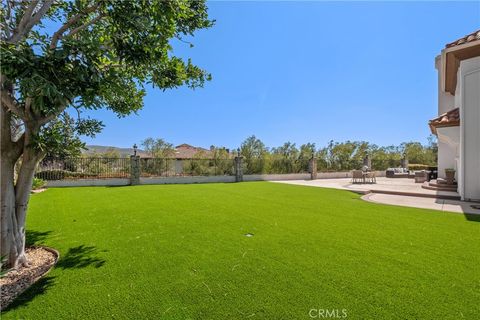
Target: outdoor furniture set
361	176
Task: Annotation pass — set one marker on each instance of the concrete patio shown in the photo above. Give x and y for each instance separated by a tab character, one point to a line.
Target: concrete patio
397	191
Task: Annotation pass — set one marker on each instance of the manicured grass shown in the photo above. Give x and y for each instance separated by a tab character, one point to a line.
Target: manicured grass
180	252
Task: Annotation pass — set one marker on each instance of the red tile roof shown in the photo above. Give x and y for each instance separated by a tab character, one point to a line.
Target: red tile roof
448	119
186	151
468	38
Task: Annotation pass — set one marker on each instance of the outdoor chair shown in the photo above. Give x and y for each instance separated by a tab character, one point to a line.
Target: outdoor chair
421	176
371	177
357	176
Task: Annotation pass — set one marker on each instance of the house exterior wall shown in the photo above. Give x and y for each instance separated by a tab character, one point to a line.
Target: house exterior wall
467	97
448	149
446	101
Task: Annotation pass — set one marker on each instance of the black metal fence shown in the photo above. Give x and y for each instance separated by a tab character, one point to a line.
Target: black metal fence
83	168
275	166
161	167
105	168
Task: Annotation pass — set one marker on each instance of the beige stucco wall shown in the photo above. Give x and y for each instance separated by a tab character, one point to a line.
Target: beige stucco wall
446	101
448	149
467	98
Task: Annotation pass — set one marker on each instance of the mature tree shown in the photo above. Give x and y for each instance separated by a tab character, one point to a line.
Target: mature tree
284	158
432	151
223	160
307	151
385	157
158	148
82	54
254	152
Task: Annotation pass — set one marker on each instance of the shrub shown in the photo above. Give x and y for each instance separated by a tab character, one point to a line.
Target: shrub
417	167
63	174
50	175
37	183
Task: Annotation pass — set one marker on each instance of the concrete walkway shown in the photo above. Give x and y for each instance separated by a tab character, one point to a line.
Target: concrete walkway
397	191
400	186
424	203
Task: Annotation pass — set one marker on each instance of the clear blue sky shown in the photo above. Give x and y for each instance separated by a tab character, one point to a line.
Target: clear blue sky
305	72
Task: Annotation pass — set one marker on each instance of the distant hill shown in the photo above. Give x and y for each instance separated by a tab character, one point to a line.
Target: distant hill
123	152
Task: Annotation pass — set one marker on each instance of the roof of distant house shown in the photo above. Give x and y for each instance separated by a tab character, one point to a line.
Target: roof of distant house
186	151
468	38
447	119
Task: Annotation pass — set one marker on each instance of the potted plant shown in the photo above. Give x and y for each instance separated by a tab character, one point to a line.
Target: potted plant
450	175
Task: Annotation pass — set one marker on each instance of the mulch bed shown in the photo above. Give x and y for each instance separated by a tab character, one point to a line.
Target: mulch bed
39	190
41	260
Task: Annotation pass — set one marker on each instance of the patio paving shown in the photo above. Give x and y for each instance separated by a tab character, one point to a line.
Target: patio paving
398	186
397	191
425	203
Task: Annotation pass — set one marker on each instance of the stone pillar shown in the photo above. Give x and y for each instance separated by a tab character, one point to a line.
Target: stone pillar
367	162
404	162
134	170
312	166
238	169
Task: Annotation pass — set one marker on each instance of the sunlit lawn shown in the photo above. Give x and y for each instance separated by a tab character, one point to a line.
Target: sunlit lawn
180	252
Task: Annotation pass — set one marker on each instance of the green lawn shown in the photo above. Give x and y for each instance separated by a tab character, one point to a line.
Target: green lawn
180	252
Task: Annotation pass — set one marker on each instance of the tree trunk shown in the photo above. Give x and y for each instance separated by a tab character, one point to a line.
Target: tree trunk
12	233
15	196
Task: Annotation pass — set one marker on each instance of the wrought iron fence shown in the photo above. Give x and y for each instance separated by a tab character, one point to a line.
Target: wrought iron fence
83	168
275	166
339	165
161	167
104	168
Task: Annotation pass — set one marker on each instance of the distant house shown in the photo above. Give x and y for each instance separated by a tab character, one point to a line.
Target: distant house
186	151
457	125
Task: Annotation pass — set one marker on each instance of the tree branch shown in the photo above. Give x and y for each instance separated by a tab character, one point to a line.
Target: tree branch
28	20
26	15
11	105
50	117
8	19
17	147
93	21
59	33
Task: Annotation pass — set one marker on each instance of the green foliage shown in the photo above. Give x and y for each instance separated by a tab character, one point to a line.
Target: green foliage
51	175
83	167
158	148
101	54
62	174
61	137
336	156
254	155
417	167
37	183
288	159
341	156
217	162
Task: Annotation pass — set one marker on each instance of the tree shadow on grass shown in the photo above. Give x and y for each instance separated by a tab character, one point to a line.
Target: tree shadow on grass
472	217
33	237
37	289
81	257
76	258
